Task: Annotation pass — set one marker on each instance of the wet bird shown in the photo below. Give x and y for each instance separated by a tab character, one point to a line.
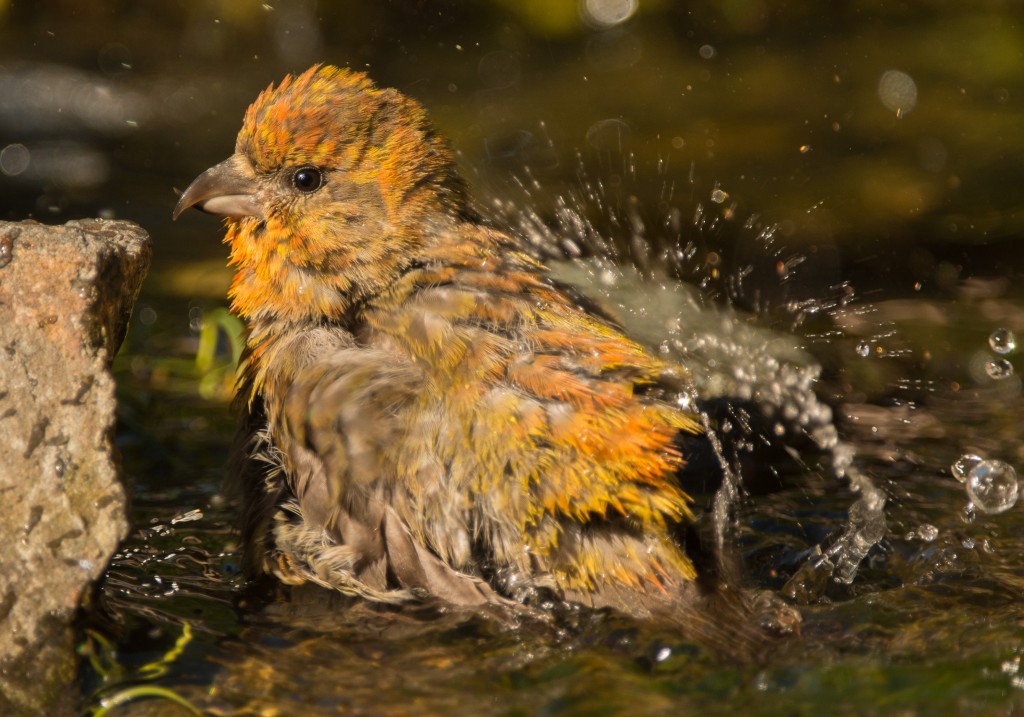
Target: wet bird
428	413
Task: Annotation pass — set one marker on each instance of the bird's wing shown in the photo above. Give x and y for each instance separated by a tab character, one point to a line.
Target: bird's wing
345	420
550	444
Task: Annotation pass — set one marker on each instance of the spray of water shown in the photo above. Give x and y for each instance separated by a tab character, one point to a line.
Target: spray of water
700	291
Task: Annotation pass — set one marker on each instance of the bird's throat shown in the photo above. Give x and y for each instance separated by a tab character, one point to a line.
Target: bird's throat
281	274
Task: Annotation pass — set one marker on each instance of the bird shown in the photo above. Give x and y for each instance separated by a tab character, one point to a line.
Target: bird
427	413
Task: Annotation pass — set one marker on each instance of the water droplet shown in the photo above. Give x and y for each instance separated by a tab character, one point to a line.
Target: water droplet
863	349
968	514
992	486
6	250
963	465
1002	341
927	532
195	319
998	368
606	13
188	517
14	159
611	134
897	91
718	196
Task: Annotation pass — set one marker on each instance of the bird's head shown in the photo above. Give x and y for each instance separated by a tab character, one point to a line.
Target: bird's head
328	194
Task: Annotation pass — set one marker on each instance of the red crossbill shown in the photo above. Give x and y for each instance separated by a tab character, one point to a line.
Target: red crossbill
429	413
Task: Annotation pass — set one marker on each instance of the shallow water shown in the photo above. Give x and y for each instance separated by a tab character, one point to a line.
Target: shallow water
826	215
931	623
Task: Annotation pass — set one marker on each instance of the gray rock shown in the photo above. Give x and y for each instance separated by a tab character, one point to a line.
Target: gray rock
66	293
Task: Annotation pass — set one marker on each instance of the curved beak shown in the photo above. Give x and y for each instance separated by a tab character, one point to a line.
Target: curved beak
227	189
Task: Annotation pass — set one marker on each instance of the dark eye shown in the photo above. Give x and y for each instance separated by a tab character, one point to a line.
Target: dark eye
307	179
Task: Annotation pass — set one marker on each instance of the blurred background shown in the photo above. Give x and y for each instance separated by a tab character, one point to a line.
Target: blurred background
861	125
879	142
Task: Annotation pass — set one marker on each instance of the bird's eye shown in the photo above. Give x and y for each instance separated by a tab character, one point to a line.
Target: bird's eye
307	179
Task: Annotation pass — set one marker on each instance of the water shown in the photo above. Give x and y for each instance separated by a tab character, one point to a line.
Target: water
963	466
992	486
933	605
816	211
998	368
862	526
1002	341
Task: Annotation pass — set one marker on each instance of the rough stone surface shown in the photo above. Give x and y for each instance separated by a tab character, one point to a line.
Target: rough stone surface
66	293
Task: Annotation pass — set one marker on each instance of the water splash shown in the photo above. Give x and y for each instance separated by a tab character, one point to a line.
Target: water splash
680	285
729	492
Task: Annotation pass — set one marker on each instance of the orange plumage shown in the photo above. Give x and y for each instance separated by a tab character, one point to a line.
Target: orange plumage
429	413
